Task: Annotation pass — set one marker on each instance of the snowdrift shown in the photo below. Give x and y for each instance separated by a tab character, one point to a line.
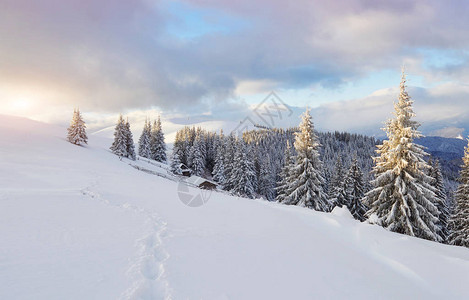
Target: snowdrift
78	223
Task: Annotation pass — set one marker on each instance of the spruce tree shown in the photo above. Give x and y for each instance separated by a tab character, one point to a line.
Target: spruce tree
252	155
129	141
305	185
176	155
339	193
266	182
282	185
219	168
77	130
178	148
229	164
176	163
119	146
197	156
459	223
243	174
144	141
356	191
157	144
403	199
441	204
211	142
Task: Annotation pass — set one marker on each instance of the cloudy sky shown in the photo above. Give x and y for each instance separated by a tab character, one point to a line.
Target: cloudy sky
213	60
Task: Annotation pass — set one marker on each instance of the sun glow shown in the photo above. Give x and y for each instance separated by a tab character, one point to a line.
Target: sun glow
17	106
21	104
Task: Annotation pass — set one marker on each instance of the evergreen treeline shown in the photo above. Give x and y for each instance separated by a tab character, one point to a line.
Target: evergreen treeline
401	188
397	186
213	155
459	222
195	148
151	143
261	164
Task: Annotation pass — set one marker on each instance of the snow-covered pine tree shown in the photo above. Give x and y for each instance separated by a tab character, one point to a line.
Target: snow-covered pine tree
144	140
211	142
197	155
282	185
219	168
188	146
203	135
176	163
77	130
441	204
305	186
178	147
327	174
177	153
338	187
119	146
153	140
129	140
403	199
251	156
157	144
459	222
242	175
189	138
229	158
356	191
266	182
161	157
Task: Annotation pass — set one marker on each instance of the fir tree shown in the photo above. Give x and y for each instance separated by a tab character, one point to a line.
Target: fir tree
219	168
403	199
266	180
338	186
211	142
178	148
356	191
177	154
229	164
197	156
305	186
252	154
129	141
119	146
459	223
144	141
176	163
441	204
243	174
77	130
285	174
157	144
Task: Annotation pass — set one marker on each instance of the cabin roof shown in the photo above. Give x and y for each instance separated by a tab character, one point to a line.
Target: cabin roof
197	180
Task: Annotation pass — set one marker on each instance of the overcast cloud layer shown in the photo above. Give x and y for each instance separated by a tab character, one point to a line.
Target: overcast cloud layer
194	57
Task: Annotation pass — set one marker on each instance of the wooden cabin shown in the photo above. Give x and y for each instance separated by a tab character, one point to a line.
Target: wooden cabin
207	185
185	171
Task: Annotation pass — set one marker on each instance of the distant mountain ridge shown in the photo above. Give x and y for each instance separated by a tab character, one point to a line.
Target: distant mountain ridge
448	148
449	151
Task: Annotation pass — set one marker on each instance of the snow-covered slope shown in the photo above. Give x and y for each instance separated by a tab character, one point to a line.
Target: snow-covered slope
78	223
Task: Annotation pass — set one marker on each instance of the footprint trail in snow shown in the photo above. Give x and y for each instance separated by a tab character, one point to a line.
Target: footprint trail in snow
147	270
